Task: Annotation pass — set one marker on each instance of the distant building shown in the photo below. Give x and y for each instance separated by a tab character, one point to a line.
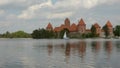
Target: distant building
102	33
73	28
67	22
80	28
98	29
110	28
49	27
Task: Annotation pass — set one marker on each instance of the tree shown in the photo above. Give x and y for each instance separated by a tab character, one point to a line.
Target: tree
51	34
93	31
36	34
63	31
117	30
20	34
7	34
17	34
89	35
42	33
105	28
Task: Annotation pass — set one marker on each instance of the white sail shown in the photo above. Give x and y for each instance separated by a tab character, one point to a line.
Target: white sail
65	36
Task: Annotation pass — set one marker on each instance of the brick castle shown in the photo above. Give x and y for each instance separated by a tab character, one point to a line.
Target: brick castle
80	28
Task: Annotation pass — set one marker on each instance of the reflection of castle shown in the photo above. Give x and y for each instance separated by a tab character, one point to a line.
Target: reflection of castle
50	49
80	27
95	46
108	46
82	49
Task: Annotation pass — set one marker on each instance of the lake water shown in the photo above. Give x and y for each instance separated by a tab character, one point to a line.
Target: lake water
57	53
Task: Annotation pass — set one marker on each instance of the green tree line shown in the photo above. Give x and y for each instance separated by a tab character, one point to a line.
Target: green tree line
17	34
43	33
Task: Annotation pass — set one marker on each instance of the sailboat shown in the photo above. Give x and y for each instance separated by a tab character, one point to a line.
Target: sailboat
65	36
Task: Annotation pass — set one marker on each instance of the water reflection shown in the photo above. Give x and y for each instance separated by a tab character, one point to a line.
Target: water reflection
60	54
108	47
67	50
95	46
78	50
117	43
50	49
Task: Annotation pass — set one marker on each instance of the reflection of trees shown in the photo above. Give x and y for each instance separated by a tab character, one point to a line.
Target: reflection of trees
62	46
108	50
67	51
82	48
50	49
118	45
95	46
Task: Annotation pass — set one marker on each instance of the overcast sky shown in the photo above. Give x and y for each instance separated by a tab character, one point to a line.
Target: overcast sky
28	15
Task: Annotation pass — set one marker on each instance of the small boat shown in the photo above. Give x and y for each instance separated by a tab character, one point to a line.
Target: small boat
65	36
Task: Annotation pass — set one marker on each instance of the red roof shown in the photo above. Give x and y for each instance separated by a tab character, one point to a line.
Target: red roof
67	22
96	25
62	26
57	29
65	27
73	27
109	24
49	26
81	22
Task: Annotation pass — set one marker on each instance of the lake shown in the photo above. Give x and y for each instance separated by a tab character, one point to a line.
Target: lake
58	53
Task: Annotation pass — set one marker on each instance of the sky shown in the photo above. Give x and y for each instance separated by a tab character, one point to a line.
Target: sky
28	15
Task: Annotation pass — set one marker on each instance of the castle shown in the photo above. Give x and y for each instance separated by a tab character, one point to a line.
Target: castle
81	28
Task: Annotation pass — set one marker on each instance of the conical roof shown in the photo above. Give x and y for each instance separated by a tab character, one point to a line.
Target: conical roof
109	24
81	22
49	26
73	27
96	25
57	29
67	22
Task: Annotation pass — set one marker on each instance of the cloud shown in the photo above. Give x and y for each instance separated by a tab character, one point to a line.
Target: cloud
30	12
93	3
5	24
74	5
83	3
2	12
11	17
67	4
17	14
59	15
89	3
4	2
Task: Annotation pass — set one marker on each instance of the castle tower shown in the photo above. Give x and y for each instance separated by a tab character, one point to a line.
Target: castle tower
81	26
67	22
110	28
73	27
49	27
98	28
